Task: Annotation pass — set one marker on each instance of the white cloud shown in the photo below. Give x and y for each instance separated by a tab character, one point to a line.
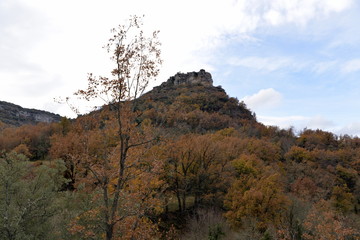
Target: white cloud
313	122
336	5
301	122
274	17
319	122
300	12
351	66
352	129
321	67
282	122
278	63
269	64
63	39
265	98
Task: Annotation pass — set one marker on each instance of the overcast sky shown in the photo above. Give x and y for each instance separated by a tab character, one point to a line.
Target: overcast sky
293	62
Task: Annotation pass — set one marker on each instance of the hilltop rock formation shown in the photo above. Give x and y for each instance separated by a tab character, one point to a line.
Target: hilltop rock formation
191	78
16	115
190	102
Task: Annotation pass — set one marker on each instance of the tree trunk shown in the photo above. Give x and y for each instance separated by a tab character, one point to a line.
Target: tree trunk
196	201
109	231
179	200
184	201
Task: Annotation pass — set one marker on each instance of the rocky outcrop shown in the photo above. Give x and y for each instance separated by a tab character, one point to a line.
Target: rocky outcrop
16	115
191	78
189	100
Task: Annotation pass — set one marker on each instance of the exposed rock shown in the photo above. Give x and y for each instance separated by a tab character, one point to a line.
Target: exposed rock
16	115
191	78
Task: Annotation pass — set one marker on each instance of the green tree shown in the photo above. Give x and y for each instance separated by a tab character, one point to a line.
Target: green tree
27	194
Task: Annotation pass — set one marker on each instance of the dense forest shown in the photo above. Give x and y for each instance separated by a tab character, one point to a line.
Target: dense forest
183	161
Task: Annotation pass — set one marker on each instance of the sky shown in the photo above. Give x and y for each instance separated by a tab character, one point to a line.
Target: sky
295	63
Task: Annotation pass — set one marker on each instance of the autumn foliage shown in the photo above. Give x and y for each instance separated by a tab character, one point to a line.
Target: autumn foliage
178	162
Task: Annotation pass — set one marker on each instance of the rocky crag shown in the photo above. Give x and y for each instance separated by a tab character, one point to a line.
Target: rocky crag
16	115
191	78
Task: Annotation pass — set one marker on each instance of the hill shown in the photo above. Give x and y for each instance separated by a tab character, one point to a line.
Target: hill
16	115
190	102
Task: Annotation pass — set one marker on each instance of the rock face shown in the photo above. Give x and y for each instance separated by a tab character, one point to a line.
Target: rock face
191	78
15	115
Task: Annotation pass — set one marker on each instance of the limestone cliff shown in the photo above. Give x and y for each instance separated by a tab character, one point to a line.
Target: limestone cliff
191	78
16	115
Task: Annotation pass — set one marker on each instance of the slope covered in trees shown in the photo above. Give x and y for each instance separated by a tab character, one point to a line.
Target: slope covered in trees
183	161
202	176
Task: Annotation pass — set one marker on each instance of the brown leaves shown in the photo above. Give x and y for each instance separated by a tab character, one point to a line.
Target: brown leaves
324	224
136	59
257	193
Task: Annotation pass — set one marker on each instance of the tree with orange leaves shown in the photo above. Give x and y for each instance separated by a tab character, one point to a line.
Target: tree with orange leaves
257	193
117	168
323	223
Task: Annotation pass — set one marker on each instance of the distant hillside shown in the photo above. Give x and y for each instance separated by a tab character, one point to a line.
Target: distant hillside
16	115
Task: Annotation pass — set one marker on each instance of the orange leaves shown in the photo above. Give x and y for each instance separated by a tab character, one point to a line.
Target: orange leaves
198	166
298	154
35	137
136	62
86	224
247	165
342	199
324	224
257	192
319	139
119	167
136	228
23	149
305	188
263	149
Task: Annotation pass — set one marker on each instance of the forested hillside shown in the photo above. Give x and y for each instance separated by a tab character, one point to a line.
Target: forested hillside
182	161
208	171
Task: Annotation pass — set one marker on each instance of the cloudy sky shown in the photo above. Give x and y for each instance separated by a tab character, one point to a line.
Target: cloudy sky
293	62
